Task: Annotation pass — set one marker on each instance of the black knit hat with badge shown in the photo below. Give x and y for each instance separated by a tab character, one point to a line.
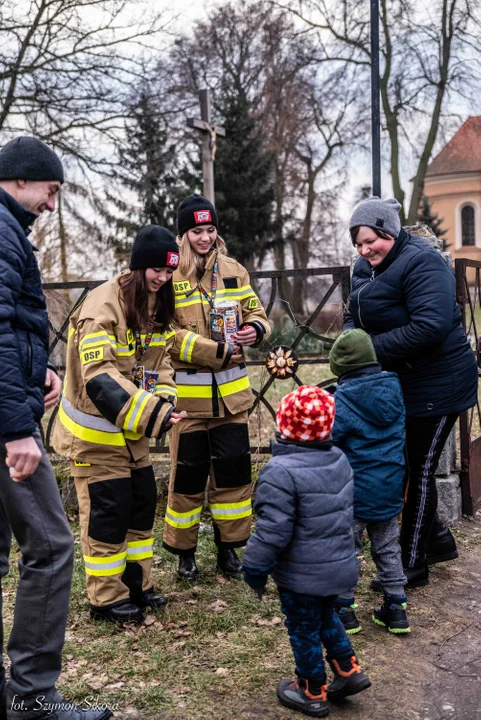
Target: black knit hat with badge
154	247
195	210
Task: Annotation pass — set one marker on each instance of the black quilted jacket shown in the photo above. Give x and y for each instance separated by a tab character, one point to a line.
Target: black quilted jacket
23	325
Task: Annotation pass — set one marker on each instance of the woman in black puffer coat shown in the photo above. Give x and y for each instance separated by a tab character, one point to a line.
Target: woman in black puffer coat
403	295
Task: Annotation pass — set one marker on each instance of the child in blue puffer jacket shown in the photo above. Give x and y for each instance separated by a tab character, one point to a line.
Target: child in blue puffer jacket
370	429
304	538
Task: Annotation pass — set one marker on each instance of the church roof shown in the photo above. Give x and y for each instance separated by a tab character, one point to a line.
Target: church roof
462	154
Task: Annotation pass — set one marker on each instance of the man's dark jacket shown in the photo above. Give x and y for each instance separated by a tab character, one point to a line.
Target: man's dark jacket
304	535
408	306
23	325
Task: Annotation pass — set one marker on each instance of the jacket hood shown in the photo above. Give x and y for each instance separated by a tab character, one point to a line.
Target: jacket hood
376	398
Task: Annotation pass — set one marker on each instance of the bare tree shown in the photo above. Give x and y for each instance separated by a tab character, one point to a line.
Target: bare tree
67	66
430	57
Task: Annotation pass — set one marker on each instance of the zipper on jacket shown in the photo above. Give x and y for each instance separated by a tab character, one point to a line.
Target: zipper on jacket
30	356
358	296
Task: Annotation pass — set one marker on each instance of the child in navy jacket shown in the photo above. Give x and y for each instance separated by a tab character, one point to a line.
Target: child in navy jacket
369	428
303	537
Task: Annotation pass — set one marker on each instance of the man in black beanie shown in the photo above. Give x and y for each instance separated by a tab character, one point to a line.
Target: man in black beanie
30	505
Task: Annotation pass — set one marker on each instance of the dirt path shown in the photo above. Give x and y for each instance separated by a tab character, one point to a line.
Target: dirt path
433	674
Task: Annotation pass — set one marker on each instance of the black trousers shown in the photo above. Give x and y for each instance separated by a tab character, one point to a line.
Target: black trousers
425	439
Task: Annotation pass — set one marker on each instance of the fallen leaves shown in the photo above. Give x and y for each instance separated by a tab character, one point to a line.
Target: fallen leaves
218	606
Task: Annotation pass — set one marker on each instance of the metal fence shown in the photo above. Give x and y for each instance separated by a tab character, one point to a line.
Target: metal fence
283	355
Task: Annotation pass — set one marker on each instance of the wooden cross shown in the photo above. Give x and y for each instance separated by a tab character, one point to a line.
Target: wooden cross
209	141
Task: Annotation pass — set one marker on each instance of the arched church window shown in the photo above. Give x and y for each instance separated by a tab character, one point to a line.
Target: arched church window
467	225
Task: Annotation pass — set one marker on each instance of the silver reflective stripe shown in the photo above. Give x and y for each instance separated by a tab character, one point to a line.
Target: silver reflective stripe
138	403
183	378
99	339
88	421
105	565
191	338
148	547
229	375
230	511
183	521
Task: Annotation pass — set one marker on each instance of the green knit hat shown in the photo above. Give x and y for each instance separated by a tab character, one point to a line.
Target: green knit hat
351	351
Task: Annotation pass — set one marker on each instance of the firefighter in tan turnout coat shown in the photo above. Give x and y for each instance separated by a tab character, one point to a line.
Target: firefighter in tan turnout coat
214	390
119	391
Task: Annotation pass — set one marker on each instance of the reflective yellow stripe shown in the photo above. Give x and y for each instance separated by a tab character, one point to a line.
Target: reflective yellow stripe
137	406
241	293
71	332
187	346
169	335
125	350
234	386
140	549
185	300
93	340
105	566
166	389
98	437
194	391
231	511
183	520
131	435
234	294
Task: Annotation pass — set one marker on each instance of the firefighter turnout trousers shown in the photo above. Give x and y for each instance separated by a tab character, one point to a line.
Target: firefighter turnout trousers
199	448
117	511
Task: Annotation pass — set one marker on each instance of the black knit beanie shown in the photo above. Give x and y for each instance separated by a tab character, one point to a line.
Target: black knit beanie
154	247
195	210
28	158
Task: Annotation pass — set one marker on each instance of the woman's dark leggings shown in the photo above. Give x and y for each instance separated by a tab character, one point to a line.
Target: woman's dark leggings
425	439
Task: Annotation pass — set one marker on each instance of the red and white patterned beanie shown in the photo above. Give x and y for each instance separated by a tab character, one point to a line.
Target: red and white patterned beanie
306	414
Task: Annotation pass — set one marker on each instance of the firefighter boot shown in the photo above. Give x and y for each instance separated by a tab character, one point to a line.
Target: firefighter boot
121	611
152	599
348	679
228	563
306	696
188	570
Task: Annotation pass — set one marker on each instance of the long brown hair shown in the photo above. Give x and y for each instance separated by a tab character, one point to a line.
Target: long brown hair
136	299
190	261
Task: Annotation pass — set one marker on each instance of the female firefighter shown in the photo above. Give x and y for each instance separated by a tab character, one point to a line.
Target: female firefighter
214	390
119	391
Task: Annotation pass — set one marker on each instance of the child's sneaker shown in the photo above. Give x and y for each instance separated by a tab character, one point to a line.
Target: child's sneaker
306	696
349	679
346	611
392	615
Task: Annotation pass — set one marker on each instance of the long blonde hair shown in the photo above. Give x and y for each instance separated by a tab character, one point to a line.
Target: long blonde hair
190	262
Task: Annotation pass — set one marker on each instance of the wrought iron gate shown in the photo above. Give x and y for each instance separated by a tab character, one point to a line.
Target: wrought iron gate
331	281
468	295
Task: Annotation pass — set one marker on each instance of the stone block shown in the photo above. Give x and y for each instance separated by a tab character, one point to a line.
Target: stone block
449	499
447	461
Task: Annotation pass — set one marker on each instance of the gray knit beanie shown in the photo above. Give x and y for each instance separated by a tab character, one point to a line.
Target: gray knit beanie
28	158
378	214
352	351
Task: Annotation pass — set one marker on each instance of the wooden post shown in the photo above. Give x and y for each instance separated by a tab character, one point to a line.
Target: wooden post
209	138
